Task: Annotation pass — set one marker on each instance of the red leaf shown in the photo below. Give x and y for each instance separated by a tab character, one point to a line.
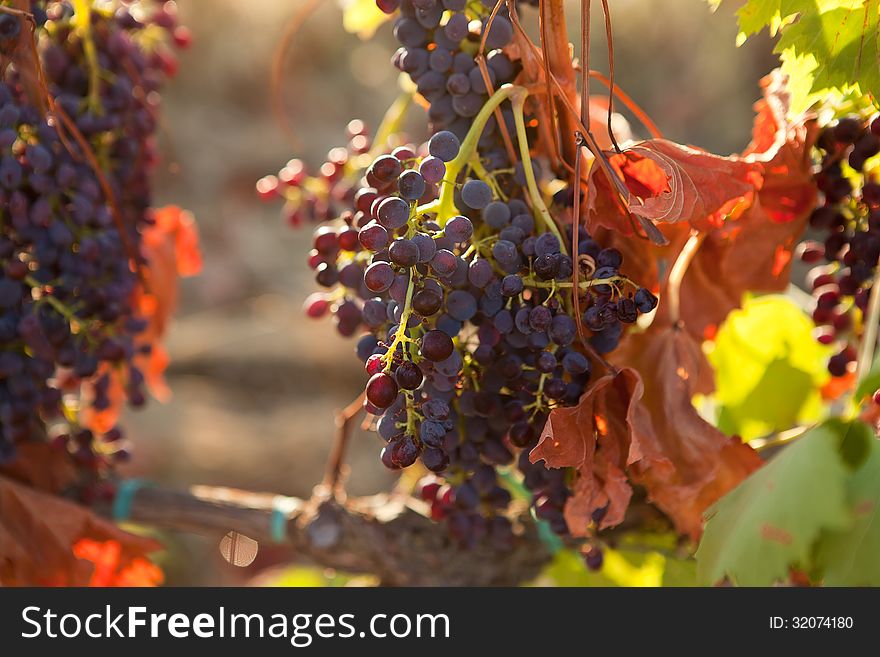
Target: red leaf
38	532
697	462
628	431
42	466
753	250
669	183
595	437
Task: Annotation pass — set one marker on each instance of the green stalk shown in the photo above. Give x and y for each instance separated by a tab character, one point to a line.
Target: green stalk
518	101
869	339
444	206
390	124
82	22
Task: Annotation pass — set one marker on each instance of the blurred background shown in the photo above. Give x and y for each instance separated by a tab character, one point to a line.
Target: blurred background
255	382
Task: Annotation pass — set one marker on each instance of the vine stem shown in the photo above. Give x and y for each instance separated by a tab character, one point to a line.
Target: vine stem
390	123
869	340
484	72
676	275
558	67
444	206
518	100
344	422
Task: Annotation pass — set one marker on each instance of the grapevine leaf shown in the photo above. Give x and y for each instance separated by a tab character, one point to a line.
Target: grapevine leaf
752	251
767	385
683	462
825	45
594	437
362	17
41	466
38	532
844	40
670	183
850	558
871	382
770	522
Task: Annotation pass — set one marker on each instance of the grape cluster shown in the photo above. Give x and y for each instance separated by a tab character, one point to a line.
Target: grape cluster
848	221
462	292
321	196
66	269
470	339
439	41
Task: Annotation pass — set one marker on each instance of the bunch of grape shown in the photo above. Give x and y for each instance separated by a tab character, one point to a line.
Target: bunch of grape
462	291
439	40
849	221
470	339
66	269
313	198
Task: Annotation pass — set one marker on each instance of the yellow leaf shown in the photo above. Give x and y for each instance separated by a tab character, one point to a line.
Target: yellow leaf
362	17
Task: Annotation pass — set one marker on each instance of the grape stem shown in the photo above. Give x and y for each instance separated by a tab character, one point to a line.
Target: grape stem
53	301
400	334
390	124
344	422
869	340
82	20
528	281
444	206
518	101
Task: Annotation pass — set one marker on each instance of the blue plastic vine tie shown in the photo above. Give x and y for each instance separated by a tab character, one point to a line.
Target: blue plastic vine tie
124	496
282	508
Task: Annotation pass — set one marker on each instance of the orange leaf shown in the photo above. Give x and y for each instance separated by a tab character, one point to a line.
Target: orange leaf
627	431
37	534
110	567
698	463
753	250
170	246
595	438
669	183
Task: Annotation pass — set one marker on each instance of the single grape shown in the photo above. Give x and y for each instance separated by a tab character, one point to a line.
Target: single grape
476	194
436	346
444	145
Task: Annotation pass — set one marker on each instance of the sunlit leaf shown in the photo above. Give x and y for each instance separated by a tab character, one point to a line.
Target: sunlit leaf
852	558
769	368
825	44
771	522
362	17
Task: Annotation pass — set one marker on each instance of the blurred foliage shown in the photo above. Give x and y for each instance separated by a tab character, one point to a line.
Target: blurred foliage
769	368
826	46
309	577
642	560
783	515
362	17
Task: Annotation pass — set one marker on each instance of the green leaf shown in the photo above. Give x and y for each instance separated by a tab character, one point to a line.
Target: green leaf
852	558
771	521
844	41
569	570
362	17
639	560
769	368
826	45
